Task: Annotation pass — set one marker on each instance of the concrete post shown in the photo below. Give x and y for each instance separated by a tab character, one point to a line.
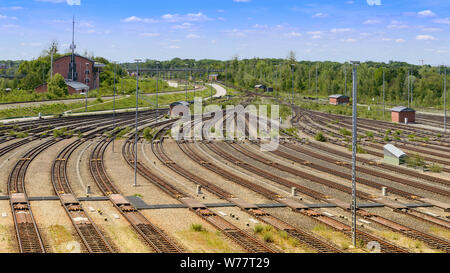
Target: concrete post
384	191
199	189
293	191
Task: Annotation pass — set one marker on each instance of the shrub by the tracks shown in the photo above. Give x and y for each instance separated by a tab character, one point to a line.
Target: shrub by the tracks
320	137
435	168
197	227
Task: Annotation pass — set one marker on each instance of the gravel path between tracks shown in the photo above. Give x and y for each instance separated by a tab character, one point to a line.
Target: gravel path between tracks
38	180
8	243
177	222
119	231
174	178
183	160
8	161
55	227
122	176
80	159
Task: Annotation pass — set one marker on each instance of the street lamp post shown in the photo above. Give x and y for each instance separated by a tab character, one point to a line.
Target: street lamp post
186	82
114	106
384	96
292	72
354	147
136	121
445	99
317	87
157	80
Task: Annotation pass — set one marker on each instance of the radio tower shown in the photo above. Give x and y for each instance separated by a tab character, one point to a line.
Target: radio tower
72	68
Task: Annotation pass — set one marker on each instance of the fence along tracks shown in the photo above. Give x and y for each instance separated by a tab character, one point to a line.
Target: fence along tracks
155	237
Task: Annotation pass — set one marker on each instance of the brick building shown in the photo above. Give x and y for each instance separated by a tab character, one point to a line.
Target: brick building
403	114
86	75
339	99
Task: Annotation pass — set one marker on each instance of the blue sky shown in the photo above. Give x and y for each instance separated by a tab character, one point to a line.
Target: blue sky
341	30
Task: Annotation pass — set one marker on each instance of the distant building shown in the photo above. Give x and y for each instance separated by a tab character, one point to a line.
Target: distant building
78	71
393	155
3	66
213	77
339	99
176	108
269	89
260	87
402	114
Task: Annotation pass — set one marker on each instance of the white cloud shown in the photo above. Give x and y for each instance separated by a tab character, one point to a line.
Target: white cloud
426	13
340	30
149	34
320	15
348	40
374	2
192	36
132	19
69	2
174	47
4	17
371	22
293	34
242	1
425	38
73	2
11	8
183	26
400	40
431	29
442	21
397	25
190	17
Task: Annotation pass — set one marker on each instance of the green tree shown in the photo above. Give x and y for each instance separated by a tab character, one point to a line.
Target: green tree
57	86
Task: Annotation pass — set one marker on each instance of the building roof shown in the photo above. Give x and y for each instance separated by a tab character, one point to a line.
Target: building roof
77	85
182	103
259	86
402	109
70	55
213	75
338	96
391	149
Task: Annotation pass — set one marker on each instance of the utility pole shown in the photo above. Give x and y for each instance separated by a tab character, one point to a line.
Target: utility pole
384	96
317	90
136	121
186	82
157	80
345	77
86	100
354	147
292	71
445	99
114	105
408	86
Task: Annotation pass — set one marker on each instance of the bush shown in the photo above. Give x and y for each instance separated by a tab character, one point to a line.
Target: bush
197	227
435	168
345	132
258	228
415	161
320	137
369	134
268	237
148	134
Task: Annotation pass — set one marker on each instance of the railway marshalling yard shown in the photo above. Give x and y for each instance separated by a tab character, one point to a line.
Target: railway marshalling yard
76	193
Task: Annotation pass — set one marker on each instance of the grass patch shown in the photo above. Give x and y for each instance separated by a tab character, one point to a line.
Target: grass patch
320	137
197	227
61	238
336	237
399	239
205	241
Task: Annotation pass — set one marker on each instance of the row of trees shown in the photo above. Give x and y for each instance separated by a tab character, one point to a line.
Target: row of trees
332	77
